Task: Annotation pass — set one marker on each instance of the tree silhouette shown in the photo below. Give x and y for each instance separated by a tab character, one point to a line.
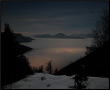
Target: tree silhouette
80	78
100	32
56	70
49	67
40	70
35	69
14	64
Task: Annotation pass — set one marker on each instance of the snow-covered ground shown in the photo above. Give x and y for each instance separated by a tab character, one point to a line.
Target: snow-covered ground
47	81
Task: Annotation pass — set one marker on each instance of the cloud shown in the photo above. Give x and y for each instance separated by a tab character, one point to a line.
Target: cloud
42	17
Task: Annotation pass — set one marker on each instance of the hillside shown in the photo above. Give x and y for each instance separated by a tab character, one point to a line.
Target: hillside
47	81
96	63
23	49
20	38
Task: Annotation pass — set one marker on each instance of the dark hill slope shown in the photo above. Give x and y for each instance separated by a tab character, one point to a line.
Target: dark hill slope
20	38
96	63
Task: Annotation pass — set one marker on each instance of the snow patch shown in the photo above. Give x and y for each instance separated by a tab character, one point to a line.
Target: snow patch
47	81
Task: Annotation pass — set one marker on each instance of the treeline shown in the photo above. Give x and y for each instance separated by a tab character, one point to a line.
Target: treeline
15	65
48	69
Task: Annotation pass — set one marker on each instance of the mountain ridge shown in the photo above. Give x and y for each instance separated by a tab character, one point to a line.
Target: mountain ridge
62	35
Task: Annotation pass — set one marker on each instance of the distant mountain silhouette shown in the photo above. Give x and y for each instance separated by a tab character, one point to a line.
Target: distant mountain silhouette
21	38
62	35
96	63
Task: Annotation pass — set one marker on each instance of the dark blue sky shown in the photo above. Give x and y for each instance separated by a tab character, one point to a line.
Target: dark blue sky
68	17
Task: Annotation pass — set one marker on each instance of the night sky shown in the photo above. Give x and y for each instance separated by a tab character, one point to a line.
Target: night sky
67	17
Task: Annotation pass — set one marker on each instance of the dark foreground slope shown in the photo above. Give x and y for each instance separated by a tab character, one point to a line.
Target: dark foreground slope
96	63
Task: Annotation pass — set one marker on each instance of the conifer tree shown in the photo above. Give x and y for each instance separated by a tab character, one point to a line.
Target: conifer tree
100	32
49	67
